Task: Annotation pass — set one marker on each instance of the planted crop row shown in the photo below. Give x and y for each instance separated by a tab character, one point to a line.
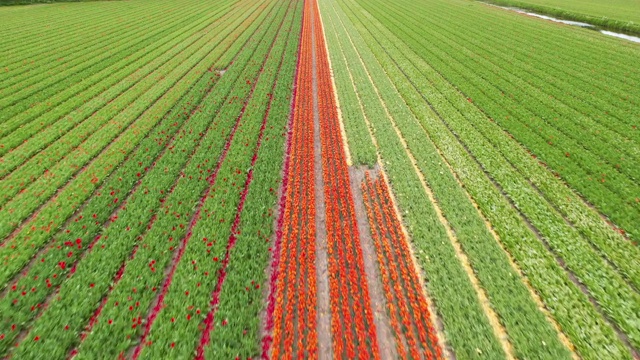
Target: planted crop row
516	310
49	268
556	107
224	207
70	116
250	255
155	257
352	319
578	214
76	148
507	294
449	286
13	16
23	32
611	83
92	92
619	158
21	51
176	198
604	97
58	259
548	278
292	314
50	80
46	72
361	148
609	275
37	228
611	61
563	98
25	44
573	163
585	14
406	303
576	92
114	140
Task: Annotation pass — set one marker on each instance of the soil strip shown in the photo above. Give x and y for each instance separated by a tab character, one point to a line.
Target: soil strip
322	272
386	338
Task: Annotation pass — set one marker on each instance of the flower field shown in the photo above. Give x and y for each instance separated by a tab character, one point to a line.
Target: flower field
315	179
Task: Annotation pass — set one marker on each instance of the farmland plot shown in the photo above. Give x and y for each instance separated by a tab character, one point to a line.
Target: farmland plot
229	179
142	171
486	213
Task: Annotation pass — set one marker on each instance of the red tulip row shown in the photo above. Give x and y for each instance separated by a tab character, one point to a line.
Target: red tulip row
292	304
354	333
94	318
282	204
294	313
235	228
211	179
407	306
20	242
137	177
186	153
176	311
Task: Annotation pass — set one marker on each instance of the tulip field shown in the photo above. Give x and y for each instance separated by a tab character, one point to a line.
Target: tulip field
316	179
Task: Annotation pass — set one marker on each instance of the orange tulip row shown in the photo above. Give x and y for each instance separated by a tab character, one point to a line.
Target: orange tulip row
354	333
294	333
407	306
294	313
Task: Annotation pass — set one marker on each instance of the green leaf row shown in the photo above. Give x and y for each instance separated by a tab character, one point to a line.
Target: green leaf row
468	329
430	99
46	82
250	256
76	148
134	179
26	118
615	194
45	123
167	181
525	324
613	246
32	235
202	257
113	141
